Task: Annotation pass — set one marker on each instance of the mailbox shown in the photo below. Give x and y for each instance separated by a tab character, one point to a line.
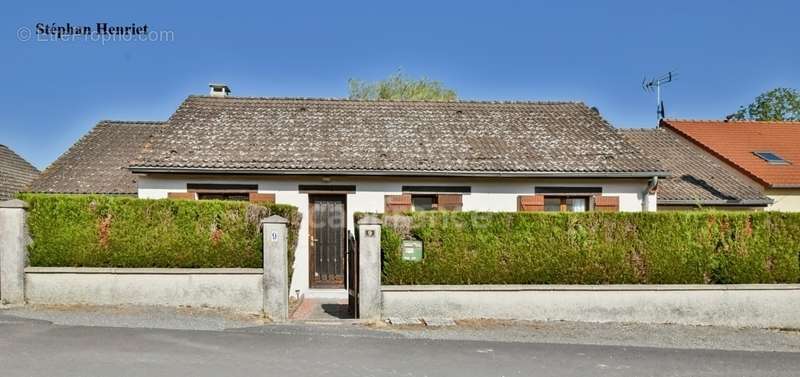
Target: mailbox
412	250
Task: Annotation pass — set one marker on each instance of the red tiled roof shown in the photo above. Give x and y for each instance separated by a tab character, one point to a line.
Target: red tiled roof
735	142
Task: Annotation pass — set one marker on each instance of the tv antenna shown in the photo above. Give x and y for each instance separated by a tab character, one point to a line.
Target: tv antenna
655	85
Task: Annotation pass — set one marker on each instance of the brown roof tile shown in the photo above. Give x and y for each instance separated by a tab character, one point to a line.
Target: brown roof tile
390	137
697	177
735	142
98	162
15	173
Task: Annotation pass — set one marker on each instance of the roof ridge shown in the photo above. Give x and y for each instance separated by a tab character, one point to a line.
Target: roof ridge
133	122
635	129
793	122
335	99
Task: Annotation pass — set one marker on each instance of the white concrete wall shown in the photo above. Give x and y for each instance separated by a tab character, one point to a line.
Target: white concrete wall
765	306
232	289
786	200
494	195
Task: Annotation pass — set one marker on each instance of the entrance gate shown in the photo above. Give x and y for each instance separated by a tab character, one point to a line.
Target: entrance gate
352	275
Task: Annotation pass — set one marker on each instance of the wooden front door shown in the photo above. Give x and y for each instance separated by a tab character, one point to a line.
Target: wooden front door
327	240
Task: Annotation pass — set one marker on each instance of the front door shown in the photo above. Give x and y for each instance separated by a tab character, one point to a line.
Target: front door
327	240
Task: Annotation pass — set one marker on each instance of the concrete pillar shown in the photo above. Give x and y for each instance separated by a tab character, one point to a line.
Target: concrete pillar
13	251
276	269
369	265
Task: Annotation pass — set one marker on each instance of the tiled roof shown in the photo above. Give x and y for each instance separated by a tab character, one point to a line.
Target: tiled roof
390	137
697	177
735	142
15	173
98	162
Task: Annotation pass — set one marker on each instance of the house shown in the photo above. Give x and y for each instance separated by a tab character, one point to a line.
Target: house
766	152
698	179
333	157
15	173
98	162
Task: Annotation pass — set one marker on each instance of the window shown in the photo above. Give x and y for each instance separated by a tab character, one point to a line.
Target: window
222	191
567	198
433	198
566	203
771	158
423	203
243	196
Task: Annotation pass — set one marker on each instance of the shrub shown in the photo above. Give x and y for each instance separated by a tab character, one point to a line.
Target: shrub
595	248
112	231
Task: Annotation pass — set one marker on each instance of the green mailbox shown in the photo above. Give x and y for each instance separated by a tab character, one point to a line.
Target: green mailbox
412	250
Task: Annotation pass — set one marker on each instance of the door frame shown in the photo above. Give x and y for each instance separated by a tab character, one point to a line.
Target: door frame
312	252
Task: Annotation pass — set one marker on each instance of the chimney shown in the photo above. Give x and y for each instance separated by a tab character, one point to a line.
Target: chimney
219	90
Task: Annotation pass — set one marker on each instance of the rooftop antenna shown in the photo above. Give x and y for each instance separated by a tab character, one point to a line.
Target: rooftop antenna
655	85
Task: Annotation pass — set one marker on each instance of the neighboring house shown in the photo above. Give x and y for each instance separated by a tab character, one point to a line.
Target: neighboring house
766	152
15	173
332	158
697	178
98	162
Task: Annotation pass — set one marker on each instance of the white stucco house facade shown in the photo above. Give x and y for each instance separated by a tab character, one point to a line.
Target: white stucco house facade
486	194
332	158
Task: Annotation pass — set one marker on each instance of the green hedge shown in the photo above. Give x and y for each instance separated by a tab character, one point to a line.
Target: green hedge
595	248
112	231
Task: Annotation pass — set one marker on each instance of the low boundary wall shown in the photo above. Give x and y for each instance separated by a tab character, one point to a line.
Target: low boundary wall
232	289
759	305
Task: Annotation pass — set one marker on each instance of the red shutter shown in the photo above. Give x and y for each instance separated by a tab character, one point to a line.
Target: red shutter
606	203
530	203
182	195
449	202
397	203
261	198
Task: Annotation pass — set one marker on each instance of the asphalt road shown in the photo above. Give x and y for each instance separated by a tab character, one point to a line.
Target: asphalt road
38	348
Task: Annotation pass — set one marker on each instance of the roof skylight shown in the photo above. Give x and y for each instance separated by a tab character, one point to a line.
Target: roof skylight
771	157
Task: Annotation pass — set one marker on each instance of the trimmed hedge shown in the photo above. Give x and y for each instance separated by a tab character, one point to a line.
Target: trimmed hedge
595	248
113	231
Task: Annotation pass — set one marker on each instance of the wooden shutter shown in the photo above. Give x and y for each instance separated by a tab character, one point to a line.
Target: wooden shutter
261	198
449	202
530	203
606	203
182	195
397	203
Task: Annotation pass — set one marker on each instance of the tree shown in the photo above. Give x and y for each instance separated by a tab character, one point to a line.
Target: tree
776	104
401	87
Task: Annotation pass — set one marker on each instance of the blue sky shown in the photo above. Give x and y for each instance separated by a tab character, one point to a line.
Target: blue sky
726	53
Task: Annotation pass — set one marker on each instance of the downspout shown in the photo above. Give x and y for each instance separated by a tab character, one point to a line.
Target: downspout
652	186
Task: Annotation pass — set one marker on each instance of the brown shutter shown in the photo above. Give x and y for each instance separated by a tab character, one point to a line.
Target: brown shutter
261	198
449	202
606	203
397	203
182	195
530	203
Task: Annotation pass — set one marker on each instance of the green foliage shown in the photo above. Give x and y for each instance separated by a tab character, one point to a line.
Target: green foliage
775	105
401	87
109	231
595	248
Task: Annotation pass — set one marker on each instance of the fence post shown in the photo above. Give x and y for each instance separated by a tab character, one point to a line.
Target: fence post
13	253
369	267
276	269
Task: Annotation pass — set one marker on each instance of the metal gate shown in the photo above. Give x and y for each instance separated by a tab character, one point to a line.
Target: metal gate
352	275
